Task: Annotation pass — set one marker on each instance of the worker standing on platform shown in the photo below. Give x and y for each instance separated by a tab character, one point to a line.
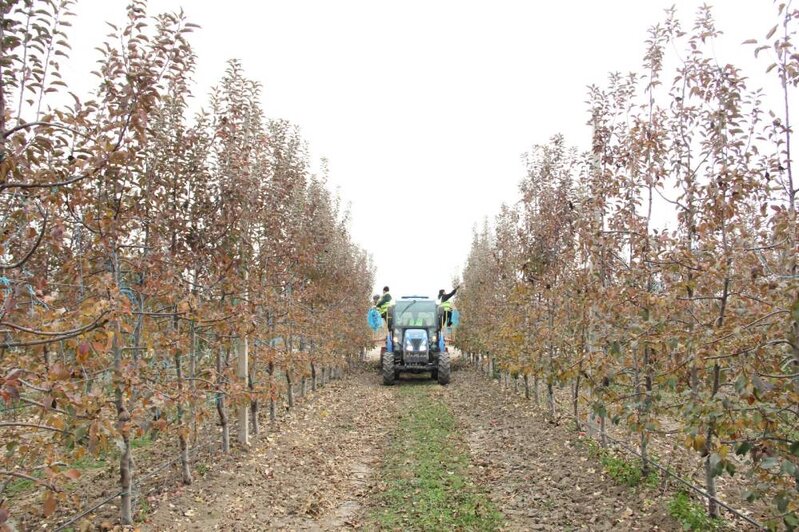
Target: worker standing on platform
444	302
383	304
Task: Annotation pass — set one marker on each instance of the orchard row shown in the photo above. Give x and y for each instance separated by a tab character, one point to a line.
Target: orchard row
658	272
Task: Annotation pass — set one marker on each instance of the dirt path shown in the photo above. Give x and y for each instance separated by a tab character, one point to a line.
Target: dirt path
312	473
539	475
322	468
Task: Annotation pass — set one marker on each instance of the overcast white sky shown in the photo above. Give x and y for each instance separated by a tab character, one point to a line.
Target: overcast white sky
423	107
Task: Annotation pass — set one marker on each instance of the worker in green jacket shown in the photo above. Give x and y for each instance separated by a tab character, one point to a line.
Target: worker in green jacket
444	302
383	305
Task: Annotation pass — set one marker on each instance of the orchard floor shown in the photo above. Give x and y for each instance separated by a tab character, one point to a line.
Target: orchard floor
321	468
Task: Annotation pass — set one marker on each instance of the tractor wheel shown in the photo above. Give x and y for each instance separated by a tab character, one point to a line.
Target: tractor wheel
434	374
388	368
443	368
380	360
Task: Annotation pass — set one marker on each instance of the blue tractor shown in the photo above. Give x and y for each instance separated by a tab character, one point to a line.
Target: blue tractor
415	342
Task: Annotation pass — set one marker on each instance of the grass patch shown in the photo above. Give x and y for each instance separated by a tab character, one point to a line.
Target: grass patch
22	486
138	443
627	473
88	462
18	487
144	510
692	515
622	471
425	473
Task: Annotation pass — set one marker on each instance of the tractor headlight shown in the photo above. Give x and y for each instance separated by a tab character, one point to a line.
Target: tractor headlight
396	336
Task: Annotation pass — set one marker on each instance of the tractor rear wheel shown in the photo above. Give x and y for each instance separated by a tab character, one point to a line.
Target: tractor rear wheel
443	368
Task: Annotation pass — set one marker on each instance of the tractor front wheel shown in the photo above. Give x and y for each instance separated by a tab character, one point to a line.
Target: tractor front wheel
388	368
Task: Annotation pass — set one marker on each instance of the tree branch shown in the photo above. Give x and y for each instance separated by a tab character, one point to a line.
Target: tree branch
28	255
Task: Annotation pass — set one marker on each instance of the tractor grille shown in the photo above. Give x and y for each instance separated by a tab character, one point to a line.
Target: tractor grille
416	358
416	343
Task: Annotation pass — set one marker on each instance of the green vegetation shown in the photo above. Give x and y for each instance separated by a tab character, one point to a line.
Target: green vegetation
622	471
143	441
144	510
16	487
425	472
692	515
88	462
24	486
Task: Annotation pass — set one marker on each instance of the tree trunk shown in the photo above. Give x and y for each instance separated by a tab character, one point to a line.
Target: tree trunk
710	477
576	397
535	391
603	435
253	400
290	389
243	374
551	400
251	375
220	404
126	482
313	377
192	376
645	465
185	466
270	369
256	428
123	419
526	387
640	409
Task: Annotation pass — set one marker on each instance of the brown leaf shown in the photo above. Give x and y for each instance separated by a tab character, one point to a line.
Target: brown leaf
74	474
59	372
83	348
771	32
49	504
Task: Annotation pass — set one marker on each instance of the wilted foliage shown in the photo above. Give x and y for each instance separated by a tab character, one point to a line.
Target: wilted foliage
141	249
659	270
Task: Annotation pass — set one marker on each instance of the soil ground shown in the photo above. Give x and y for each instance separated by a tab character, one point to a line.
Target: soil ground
539	475
313	472
323	467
